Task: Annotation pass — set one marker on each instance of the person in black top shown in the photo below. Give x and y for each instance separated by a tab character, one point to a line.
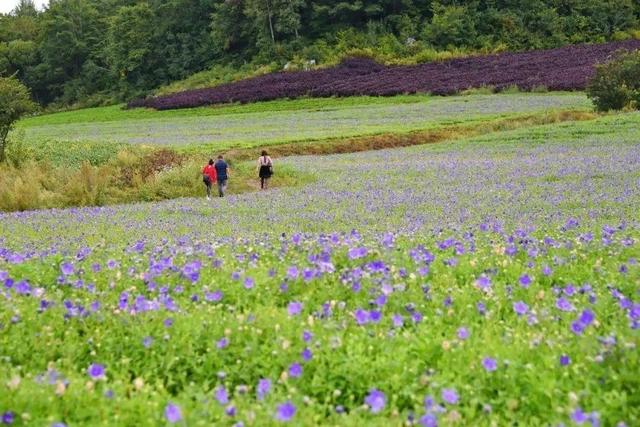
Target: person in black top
222	174
265	169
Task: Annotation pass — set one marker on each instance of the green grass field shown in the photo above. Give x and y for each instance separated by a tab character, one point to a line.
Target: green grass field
269	123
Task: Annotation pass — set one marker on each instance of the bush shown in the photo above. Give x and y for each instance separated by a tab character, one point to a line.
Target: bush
616	84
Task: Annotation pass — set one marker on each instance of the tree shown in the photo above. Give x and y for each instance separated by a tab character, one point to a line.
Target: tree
14	103
616	84
129	40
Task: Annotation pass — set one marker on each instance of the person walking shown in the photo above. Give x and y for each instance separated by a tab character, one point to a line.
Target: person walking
265	169
209	176
222	172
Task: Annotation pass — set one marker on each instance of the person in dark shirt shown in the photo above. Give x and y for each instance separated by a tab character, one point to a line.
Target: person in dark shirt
222	174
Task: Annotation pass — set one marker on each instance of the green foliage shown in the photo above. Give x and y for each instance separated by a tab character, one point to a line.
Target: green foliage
94	52
14	103
130	42
616	84
450	26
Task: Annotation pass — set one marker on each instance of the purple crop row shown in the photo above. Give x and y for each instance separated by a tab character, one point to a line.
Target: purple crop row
565	68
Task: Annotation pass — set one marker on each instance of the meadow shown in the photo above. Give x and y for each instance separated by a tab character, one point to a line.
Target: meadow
491	280
277	122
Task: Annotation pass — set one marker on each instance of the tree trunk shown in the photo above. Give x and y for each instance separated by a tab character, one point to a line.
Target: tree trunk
3	143
273	37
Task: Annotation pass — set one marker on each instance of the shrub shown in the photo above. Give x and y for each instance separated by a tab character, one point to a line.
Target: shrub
616	84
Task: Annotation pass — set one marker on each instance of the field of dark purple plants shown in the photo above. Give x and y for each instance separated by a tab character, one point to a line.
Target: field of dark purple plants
565	68
490	281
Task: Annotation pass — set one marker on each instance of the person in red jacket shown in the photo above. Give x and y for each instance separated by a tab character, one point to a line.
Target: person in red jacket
209	176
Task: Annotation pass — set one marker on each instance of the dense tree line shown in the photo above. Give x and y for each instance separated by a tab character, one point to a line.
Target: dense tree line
84	50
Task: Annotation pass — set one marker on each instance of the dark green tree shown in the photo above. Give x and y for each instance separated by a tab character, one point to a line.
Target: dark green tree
14	103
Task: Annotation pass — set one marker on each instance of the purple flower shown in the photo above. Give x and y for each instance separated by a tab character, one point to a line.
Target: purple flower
307	336
520	308
294	308
307	354
577	328
564	360
172	413
483	282
463	333
578	416
285	412
428	420
376	400
489	364
222	343
362	316
58	424
8	417
249	283
221	395
564	305
263	388
587	317
213	296
230	411
397	321
450	396
96	371
525	280
66	268
295	370
147	342
292	272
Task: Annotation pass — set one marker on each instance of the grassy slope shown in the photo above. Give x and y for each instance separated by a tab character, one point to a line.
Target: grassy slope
277	122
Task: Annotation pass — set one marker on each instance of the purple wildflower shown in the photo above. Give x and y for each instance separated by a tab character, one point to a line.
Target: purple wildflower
294	308
96	371
564	360
463	333
263	388
66	268
484	283
285	412
489	364
222	343
295	370
376	400
520	308
428	420
172	413
525	280
450	396
307	354
362	316
221	395
8	417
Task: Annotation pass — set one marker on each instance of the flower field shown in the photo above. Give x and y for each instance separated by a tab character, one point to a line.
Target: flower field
489	281
229	127
565	68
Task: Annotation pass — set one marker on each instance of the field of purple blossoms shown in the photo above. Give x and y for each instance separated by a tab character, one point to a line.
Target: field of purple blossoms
492	281
565	68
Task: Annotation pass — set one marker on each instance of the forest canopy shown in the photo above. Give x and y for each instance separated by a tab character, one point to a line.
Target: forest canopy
104	51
